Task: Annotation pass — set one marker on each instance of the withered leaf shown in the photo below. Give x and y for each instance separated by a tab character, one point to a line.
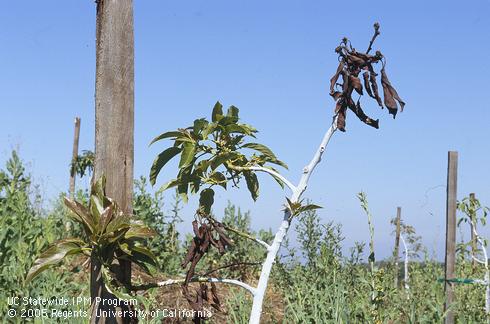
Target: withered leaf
390	95
336	95
345	83
195	228
356	84
215	302
363	117
354	59
374	86
341	118
351	64
335	77
190	253
365	77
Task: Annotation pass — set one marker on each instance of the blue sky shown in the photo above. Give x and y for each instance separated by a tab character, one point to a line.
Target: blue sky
273	60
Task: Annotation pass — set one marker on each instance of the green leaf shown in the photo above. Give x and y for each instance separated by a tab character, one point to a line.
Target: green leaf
98	187
222	158
279	162
371	257
161	160
252	184
262	149
239	128
232	112
211	127
81	215
187	154
96	207
166	135
146	255
141	260
118	224
53	255
228	120
217	178
206	201
170	184
184	177
106	217
308	207
217	112
278	180
199	125
139	230
116	291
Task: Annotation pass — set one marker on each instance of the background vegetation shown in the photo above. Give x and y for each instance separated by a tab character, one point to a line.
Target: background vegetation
313	281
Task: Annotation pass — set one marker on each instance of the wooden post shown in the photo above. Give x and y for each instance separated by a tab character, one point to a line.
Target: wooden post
73	173
451	205
474	247
114	127
397	243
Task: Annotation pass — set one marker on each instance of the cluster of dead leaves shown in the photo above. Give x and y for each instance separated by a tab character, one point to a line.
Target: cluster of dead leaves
350	66
206	235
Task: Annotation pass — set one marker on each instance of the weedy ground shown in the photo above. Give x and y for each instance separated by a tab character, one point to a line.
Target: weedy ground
312	282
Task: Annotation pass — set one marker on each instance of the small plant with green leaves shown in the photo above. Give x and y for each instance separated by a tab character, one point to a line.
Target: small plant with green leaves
376	275
25	231
109	235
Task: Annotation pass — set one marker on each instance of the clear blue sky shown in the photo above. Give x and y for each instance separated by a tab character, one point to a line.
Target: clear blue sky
273	60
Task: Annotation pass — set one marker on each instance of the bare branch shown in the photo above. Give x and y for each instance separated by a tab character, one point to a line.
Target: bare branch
243	234
376	33
477	260
171	282
229	266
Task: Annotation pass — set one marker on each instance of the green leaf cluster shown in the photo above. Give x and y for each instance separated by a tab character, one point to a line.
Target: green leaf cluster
108	234
84	163
213	153
297	208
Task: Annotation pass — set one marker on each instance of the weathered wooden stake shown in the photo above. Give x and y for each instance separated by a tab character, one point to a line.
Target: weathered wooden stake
397	243
114	127
474	243
73	173
451	205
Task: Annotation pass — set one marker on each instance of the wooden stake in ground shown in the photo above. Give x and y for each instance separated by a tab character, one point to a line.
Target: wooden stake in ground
397	243
114	125
73	172
451	205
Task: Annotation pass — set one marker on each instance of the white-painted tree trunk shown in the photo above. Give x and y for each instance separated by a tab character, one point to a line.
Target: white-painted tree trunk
406	275
273	250
486	281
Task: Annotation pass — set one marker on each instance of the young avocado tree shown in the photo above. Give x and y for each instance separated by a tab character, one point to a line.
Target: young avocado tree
109	235
213	154
412	247
474	212
406	275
